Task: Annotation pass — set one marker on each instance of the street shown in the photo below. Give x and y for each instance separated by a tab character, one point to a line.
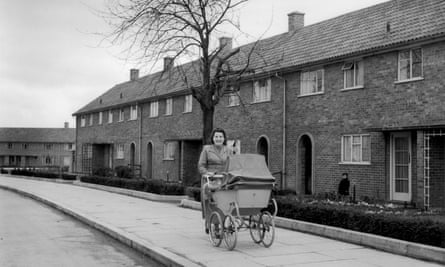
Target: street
33	234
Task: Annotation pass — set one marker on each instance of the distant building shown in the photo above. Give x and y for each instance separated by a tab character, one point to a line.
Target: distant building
37	147
362	93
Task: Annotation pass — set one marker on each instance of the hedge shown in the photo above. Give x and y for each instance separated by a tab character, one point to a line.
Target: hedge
49	175
150	186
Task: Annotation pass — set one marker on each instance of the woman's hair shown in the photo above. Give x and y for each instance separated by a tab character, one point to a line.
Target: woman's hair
218	130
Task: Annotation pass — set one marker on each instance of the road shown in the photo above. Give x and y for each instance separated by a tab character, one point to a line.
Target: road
33	234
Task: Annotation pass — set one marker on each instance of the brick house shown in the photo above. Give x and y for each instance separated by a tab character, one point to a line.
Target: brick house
37	147
361	93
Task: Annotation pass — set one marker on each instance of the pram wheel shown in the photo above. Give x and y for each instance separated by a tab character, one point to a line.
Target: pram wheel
267	228
215	229
254	228
230	232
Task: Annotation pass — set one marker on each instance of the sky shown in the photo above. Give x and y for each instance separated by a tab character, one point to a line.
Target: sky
52	61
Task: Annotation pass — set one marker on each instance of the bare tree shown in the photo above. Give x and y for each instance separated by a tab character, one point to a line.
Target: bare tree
155	29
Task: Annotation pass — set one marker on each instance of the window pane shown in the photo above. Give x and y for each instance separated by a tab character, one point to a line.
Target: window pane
349	78
359	73
346	148
319	81
404	70
356	153
366	148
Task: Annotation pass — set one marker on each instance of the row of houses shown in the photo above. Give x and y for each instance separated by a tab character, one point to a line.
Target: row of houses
361	93
37	148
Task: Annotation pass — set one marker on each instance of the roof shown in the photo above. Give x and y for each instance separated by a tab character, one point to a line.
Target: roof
355	33
38	135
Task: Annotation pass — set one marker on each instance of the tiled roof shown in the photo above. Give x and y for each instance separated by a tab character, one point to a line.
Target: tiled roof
354	33
38	135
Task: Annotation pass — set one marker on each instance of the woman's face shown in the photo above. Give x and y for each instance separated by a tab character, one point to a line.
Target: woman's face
218	138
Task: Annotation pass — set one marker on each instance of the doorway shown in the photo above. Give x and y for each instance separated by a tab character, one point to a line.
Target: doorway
149	160
304	165
401	166
262	148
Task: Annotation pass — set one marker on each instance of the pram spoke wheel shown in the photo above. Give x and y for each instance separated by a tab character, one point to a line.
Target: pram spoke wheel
215	229
230	232
267	229
254	228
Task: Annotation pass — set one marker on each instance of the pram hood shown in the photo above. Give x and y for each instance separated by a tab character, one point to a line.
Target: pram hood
248	168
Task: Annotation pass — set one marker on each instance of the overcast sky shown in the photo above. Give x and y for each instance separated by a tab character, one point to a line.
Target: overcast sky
51	63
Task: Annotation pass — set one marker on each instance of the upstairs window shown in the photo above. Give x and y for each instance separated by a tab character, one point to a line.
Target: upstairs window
169	106
48	146
82	121
120	151
353	74
9	145
312	82
188	103
134	112
121	114
356	148
169	150
261	90
48	160
410	64
154	109
91	119
101	115
234	99
69	147
110	116
25	146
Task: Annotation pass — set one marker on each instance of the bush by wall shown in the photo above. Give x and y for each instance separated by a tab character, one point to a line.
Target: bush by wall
123	172
48	175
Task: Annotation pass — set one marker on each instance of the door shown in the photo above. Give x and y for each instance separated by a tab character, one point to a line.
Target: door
401	166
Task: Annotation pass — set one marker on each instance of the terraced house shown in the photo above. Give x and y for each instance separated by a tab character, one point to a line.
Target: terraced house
361	93
37	147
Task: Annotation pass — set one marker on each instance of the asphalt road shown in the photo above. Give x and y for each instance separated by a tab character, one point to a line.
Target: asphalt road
32	234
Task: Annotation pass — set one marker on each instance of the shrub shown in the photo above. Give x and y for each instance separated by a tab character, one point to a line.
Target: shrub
104	172
66	176
123	172
3	170
193	192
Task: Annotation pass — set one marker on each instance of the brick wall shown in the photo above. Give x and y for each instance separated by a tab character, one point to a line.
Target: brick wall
437	172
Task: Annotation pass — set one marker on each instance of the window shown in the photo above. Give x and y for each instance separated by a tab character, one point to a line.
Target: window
48	146
234	99
154	108
91	120
100	117
234	146
9	145
120	151
356	149
82	121
110	116
121	114
169	150
69	146
48	160
353	74
312	82
410	64
169	106
188	102
24	146
261	90
134	112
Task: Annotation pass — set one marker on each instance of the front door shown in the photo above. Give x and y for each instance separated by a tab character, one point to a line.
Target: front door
401	166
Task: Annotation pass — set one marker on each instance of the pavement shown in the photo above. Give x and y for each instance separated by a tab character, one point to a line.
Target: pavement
174	236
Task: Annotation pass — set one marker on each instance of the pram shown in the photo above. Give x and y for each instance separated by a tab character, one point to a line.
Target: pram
238	199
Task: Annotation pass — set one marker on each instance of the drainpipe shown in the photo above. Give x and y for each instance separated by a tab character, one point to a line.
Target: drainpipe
140	139
283	167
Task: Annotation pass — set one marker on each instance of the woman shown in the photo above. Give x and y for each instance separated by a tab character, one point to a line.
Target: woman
212	160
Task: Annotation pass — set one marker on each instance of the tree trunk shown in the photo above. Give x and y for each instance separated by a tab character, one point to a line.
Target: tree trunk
207	119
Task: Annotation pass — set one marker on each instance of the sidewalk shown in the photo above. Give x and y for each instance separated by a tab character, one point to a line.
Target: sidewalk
175	236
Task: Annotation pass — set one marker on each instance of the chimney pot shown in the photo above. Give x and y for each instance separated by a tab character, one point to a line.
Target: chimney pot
168	63
295	21
66	125
134	74
225	43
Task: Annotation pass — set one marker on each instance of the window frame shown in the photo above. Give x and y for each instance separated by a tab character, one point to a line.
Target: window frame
82	121
233	99
188	103
133	112
262	93
120	151
168	106
169	150
101	115
121	115
110	116
90	122
154	109
303	80
351	149
410	62
354	64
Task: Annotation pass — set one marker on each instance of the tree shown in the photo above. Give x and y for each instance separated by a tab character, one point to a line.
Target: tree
156	29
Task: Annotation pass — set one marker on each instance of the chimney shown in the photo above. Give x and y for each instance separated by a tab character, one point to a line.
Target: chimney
134	74
66	125
168	63
225	43
295	21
